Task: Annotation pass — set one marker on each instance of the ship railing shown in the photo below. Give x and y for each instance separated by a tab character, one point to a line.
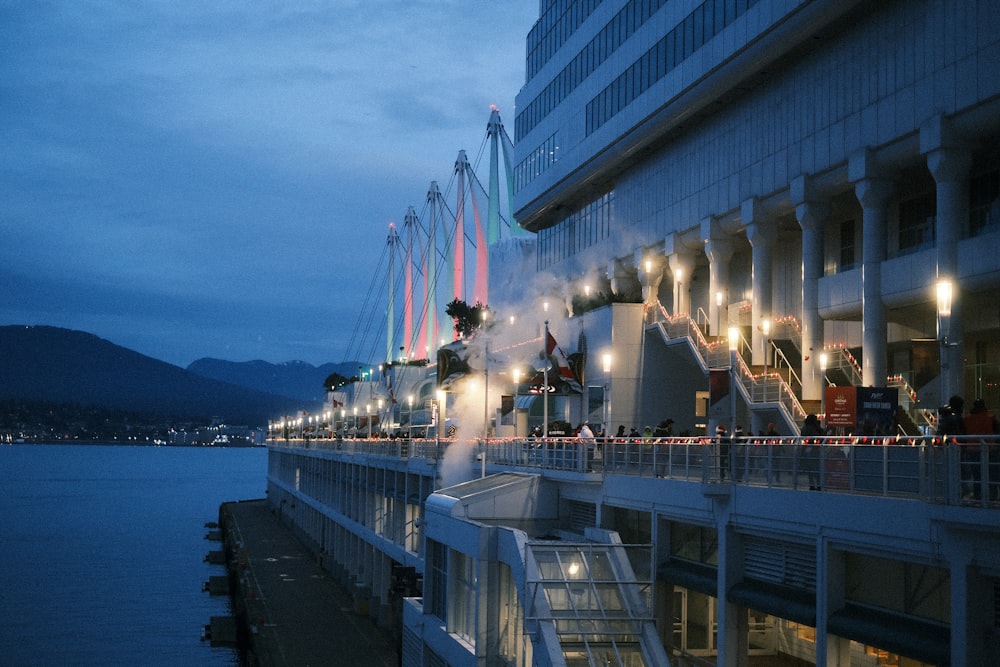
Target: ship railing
952	470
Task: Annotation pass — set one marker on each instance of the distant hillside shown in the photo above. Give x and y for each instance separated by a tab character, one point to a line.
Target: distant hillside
65	366
294	378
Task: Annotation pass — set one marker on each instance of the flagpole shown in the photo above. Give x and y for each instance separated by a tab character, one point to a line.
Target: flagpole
545	377
486	406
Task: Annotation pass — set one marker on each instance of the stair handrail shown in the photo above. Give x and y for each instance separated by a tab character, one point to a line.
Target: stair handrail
716	354
786	397
702	316
840	358
908	401
778	354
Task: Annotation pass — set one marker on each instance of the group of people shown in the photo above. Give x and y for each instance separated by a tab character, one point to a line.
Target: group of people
664	429
953	421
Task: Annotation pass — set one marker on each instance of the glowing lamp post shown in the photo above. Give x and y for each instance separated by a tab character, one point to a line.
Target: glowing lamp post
517	383
734	341
823	360
765	329
678	275
718	314
945	297
543	366
409	400
606	363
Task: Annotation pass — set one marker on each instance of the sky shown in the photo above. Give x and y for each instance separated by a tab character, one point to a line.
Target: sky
197	179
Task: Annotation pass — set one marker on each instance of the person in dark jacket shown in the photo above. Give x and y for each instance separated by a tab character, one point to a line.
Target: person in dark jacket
951	417
811	429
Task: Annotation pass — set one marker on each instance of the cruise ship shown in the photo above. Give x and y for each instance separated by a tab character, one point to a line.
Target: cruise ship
760	233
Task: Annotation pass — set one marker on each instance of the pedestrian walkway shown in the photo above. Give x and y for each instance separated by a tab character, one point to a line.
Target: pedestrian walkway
296	613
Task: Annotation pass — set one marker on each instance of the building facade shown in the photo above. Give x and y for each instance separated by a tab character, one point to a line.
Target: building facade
746	162
785	194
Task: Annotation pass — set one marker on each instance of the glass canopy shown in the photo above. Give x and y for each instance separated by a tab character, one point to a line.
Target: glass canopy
596	598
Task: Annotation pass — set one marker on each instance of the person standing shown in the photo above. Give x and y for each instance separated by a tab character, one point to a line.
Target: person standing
812	429
981	421
587	440
722	440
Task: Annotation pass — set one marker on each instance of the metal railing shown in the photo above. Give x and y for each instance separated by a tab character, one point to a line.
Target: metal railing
908	401
953	470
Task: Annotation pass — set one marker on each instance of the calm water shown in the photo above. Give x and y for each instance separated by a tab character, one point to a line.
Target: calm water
102	551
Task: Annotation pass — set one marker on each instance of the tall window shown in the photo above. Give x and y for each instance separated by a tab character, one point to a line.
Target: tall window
908	588
847	245
916	223
578	231
437	579
697	544
462	596
984	202
511	620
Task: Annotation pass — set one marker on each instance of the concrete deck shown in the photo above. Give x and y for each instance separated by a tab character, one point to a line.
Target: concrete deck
291	611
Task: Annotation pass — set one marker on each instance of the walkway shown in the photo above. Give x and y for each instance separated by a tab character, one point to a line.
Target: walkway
297	613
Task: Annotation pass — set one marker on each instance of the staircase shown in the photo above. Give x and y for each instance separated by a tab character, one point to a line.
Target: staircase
780	385
772	389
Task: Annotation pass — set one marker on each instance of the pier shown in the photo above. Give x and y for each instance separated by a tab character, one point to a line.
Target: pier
289	610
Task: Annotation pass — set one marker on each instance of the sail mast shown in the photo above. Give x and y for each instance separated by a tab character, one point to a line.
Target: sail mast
390	343
430	277
410	225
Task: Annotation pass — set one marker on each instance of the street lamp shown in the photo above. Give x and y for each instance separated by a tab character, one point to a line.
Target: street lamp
678	274
734	341
718	313
517	383
823	359
368	418
486	401
765	329
409	400
544	367
945	296
606	363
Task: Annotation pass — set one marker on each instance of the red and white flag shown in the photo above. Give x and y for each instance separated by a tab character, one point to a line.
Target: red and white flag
555	353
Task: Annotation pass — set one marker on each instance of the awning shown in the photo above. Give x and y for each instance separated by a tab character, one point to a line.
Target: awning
694	576
775	599
908	636
524	401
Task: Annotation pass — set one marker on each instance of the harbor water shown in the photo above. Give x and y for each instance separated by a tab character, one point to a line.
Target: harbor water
102	550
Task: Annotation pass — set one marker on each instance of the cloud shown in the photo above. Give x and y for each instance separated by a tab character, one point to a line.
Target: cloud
173	166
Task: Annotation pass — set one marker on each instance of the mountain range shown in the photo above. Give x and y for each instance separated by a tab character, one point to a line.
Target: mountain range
297	379
51	364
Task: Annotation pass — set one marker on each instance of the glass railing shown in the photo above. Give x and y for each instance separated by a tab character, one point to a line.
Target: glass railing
952	471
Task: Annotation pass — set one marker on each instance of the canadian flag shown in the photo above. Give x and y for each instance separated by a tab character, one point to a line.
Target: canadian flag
555	353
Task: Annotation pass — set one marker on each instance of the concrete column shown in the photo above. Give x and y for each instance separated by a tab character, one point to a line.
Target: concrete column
649	266
620	275
719	251
681	268
812	215
949	164
762	234
873	191
831	588
733	638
